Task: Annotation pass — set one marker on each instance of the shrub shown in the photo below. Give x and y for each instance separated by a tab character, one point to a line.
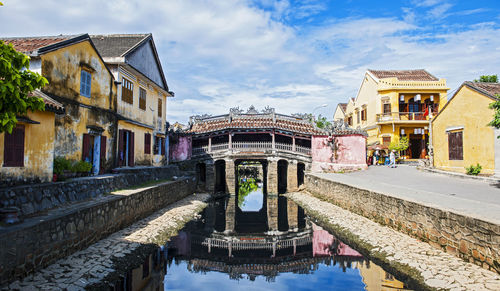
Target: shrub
82	167
61	164
474	170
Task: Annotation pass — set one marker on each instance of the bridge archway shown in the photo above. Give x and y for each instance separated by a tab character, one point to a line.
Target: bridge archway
220	176
282	176
301	167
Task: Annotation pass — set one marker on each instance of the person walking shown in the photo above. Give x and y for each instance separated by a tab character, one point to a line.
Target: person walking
392	159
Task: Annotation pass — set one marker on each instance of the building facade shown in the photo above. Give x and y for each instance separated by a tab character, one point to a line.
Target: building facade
81	82
392	104
461	135
141	100
27	153
339	114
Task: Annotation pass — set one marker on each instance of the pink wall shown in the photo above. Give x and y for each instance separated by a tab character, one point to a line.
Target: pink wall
350	154
181	150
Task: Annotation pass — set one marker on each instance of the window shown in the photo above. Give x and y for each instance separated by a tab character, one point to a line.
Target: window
147	143
159	146
349	120
386	140
127	91
363	114
142	98
160	107
357	117
387	108
455	145
13	153
85	82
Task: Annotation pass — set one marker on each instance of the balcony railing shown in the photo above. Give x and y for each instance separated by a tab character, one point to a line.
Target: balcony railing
403	116
250	146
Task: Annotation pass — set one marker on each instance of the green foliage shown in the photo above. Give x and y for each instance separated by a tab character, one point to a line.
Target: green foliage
474	170
400	145
246	188
496	117
321	122
16	82
487	79
82	167
62	165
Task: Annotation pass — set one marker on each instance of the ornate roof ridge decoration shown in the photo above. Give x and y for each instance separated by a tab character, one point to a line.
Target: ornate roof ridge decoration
341	128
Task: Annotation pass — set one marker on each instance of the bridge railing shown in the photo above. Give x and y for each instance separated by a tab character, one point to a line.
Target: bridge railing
250	146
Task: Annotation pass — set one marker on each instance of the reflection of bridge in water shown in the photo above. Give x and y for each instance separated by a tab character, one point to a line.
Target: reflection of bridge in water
209	245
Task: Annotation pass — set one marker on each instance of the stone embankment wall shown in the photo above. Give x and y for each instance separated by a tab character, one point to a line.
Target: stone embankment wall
39	197
472	239
37	244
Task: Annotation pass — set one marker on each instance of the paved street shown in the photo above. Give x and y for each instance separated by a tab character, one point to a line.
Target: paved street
476	198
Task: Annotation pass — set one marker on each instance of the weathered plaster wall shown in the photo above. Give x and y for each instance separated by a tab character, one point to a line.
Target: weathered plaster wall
350	153
472	239
38	152
62	68
33	246
469	110
139	147
181	150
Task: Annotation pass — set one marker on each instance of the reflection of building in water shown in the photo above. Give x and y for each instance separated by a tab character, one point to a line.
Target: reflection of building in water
147	277
376	279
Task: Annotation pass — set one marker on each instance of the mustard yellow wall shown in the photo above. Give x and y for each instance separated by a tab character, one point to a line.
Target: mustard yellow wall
62	68
470	110
38	149
153	93
140	158
339	114
375	279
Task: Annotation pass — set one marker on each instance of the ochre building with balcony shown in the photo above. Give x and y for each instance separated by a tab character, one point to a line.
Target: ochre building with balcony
395	103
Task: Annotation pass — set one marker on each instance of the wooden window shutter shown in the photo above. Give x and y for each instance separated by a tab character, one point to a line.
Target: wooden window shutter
459	146
142	99
160	107
14	147
121	147
127	91
103	154
131	149
147	143
455	145
86	148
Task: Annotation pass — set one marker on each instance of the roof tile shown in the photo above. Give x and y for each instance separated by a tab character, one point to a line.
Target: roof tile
404	75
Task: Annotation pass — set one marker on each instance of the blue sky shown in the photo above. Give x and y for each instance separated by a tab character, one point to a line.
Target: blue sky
291	55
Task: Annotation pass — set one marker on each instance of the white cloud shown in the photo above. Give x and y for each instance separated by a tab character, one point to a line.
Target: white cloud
222	54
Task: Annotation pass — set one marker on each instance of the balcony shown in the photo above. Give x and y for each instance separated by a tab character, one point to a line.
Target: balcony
401	117
257	146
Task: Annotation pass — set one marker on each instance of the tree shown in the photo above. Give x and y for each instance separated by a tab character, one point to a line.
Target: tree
496	117
16	84
400	145
487	79
321	122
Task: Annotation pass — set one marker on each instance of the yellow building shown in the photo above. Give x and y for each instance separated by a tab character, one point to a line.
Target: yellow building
78	79
27	153
376	279
340	112
391	104
460	133
142	97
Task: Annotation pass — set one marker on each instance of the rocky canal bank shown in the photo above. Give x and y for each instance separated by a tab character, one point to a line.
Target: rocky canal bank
419	264
92	267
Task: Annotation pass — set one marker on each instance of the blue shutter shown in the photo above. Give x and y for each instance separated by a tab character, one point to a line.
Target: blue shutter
89	82
82	83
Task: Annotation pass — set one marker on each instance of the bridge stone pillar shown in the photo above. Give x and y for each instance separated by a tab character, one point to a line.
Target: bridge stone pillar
272	176
230	177
293	215
272	212
230	214
292	176
210	176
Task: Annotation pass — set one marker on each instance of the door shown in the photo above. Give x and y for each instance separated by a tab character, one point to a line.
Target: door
96	155
415	145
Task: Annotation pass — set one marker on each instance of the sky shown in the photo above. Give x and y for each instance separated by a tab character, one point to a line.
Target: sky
294	56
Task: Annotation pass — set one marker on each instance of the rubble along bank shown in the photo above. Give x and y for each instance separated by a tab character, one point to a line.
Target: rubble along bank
417	263
104	261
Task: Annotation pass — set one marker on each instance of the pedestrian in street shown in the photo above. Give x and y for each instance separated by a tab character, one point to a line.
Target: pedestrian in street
392	159
376	157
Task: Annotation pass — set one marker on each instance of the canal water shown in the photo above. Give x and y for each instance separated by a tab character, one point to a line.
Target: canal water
284	250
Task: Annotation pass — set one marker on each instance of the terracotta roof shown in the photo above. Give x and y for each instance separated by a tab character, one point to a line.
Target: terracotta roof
491	89
255	121
343	106
30	45
404	75
50	104
117	45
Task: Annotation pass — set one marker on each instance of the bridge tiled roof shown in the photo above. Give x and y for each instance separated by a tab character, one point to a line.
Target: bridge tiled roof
255	121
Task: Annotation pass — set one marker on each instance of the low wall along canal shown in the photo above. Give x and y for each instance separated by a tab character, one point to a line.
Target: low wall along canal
469	238
38	243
